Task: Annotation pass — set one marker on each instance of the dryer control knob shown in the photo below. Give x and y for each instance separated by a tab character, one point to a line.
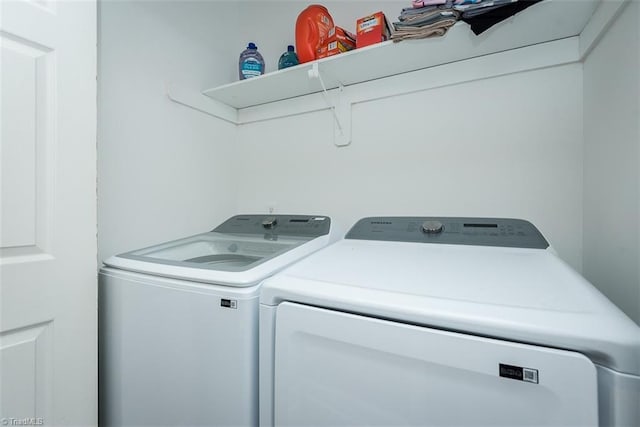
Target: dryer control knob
432	227
269	222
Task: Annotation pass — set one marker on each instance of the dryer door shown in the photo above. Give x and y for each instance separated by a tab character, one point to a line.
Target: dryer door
333	368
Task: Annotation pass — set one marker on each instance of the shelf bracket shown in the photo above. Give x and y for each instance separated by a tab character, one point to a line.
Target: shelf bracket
342	128
197	101
341	108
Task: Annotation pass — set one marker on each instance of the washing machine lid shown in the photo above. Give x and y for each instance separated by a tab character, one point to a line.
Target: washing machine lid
524	294
240	251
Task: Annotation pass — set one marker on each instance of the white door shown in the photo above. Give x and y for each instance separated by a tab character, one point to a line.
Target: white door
334	369
48	329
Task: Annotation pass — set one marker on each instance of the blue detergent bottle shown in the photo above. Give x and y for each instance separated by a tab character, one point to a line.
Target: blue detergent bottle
288	59
251	63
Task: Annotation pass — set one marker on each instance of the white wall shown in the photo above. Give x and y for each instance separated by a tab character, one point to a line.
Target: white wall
509	146
164	171
612	163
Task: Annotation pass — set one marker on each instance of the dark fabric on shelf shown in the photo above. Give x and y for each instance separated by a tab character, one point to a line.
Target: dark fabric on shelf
483	22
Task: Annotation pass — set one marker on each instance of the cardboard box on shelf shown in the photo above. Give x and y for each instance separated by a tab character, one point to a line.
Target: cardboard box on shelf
339	40
372	29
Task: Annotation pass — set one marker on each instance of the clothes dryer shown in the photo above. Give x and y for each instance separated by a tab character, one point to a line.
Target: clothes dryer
179	322
443	321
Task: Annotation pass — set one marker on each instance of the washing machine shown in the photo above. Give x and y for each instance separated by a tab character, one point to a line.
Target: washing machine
178	322
443	322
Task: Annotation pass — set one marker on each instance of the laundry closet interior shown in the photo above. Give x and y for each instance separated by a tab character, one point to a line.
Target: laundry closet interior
321	244
536	118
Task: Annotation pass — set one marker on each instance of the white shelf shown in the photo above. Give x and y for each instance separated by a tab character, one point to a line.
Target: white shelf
542	22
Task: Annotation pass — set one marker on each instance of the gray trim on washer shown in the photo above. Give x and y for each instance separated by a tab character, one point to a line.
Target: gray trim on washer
505	232
274	225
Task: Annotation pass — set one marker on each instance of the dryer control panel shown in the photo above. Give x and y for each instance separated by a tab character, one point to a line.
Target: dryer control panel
506	232
286	225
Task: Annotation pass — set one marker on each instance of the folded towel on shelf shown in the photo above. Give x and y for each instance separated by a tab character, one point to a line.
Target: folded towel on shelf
427	17
422	3
430	20
433	18
436	29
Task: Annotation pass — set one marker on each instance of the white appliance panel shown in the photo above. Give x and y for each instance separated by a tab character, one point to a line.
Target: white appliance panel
619	398
519	294
334	368
180	357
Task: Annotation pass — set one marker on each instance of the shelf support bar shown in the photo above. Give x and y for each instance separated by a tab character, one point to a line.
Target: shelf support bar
199	102
342	129
341	108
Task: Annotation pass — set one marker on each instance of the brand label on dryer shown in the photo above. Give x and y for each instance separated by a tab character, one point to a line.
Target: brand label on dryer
228	303
519	373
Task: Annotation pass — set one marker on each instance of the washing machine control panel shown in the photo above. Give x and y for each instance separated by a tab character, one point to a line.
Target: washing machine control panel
432	227
270	222
515	233
273	225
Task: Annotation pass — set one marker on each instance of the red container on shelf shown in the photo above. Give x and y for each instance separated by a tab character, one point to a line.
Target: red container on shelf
312	30
372	29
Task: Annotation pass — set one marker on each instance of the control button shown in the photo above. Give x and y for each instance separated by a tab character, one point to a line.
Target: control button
432	227
269	222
